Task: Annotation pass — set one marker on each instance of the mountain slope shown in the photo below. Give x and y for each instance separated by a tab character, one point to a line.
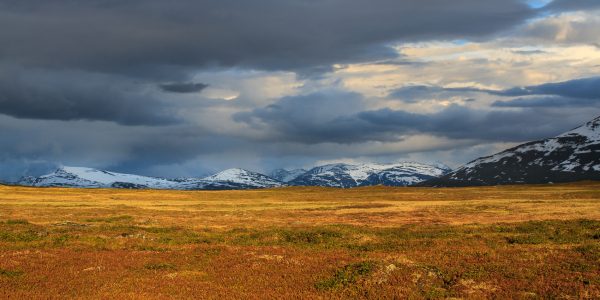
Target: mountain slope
346	175
571	156
284	175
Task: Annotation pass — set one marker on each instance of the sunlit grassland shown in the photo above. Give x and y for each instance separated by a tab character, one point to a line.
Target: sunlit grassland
528	242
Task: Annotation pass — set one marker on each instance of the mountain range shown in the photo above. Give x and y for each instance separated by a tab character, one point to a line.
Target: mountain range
93	178
336	175
571	156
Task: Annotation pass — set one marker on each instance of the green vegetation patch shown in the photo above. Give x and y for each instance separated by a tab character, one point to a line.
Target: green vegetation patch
111	219
551	232
310	236
17	222
159	266
589	251
347	275
20	236
10	273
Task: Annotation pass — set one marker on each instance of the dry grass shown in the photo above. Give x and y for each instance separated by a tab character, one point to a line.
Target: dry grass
525	242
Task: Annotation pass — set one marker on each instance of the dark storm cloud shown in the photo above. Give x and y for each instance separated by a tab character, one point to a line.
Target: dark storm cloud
132	36
34	146
184	87
342	118
14	169
39	94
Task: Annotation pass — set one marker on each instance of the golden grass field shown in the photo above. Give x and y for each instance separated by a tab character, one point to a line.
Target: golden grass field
513	242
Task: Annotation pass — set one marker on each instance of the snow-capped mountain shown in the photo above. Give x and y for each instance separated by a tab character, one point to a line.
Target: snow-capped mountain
284	175
347	175
571	156
405	174
242	179
93	178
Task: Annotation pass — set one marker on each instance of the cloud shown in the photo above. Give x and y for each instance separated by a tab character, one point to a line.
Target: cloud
416	93
583	88
63	95
136	36
344	118
183	88
459	122
310	118
15	169
577	27
583	91
529	52
547	101
571	5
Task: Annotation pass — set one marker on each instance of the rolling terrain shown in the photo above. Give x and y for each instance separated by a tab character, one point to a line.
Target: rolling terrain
508	242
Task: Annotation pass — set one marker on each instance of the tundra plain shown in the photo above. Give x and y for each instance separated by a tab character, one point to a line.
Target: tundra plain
517	242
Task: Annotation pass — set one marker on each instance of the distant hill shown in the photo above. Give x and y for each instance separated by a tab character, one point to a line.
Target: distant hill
571	156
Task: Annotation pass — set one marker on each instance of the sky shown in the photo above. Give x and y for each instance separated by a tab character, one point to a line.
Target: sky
188	88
